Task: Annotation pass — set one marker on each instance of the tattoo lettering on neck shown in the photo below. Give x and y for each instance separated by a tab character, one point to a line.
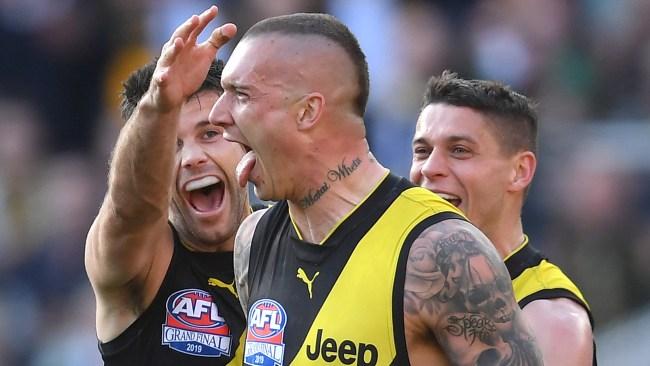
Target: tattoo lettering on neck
343	170
314	195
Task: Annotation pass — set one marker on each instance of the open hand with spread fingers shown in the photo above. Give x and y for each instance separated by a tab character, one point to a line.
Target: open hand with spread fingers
184	63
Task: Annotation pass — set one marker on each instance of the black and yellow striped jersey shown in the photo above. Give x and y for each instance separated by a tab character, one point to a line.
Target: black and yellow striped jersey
340	301
534	277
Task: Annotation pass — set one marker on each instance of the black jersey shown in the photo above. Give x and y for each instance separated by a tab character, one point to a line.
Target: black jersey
194	319
340	302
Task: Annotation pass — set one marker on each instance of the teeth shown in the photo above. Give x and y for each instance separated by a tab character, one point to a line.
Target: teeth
447	196
201	183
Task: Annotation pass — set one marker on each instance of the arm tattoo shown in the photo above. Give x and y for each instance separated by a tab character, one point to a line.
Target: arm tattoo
471	327
458	286
241	254
341	172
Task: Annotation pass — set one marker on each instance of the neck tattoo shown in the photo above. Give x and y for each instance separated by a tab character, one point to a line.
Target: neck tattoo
342	171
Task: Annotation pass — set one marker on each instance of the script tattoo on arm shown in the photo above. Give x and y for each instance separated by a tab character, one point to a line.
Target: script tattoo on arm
457	286
341	172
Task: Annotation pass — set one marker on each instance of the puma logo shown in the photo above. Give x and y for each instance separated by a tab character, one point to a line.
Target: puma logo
303	276
228	286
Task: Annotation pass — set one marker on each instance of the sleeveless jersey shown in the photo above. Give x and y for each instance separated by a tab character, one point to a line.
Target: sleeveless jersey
194	319
340	302
535	278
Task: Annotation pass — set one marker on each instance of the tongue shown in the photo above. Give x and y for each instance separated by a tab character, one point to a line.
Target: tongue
206	200
245	167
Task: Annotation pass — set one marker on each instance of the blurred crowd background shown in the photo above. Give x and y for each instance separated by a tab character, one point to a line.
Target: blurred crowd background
586	62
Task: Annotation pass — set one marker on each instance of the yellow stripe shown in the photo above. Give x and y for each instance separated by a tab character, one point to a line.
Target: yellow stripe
520	247
359	307
237	360
544	276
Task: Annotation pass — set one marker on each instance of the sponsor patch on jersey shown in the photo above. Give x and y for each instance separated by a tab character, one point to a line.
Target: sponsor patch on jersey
193	325
265	334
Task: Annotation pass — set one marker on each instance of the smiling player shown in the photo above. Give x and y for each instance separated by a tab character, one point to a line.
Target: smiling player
159	254
475	145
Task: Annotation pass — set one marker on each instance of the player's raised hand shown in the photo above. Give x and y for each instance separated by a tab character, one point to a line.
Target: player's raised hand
184	63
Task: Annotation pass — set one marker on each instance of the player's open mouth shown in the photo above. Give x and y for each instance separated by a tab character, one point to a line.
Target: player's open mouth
205	194
454	200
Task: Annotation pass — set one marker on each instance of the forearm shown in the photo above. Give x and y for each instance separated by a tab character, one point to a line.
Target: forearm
141	170
136	203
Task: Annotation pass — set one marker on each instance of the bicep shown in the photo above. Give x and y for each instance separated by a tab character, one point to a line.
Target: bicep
115	254
242	250
459	290
563	331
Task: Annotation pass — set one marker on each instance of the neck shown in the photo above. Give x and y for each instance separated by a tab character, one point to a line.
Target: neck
506	237
195	242
340	189
224	246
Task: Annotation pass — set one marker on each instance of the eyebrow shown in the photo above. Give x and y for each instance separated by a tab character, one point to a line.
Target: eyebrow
202	124
461	138
234	85
420	140
448	139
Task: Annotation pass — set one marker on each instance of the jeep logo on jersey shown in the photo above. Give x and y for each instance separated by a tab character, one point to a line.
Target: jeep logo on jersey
193	325
265	334
346	352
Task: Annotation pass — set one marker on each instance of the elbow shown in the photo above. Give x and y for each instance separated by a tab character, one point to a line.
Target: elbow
121	216
137	217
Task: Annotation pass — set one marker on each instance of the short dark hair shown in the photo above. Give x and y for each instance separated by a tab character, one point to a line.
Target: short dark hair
327	26
511	114
138	83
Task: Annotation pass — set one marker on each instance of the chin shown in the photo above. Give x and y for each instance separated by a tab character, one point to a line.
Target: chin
262	195
214	239
200	231
216	231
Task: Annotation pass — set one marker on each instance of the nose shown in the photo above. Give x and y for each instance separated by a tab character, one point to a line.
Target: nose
219	115
192	156
435	165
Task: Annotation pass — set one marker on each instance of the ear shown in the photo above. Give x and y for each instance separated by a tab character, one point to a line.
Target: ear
525	164
310	109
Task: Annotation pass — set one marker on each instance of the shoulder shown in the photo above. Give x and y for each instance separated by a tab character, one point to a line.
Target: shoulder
545	280
454	233
458	295
424	198
244	238
242	251
247	227
562	329
440	257
560	316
